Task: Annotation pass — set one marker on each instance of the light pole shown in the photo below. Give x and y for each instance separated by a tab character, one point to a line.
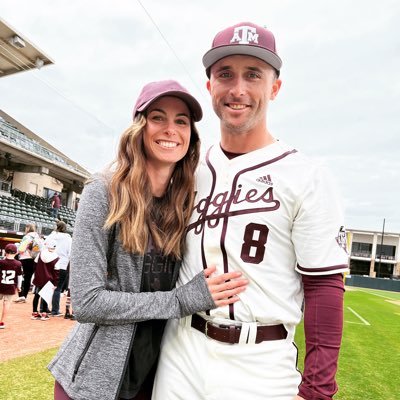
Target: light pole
380	253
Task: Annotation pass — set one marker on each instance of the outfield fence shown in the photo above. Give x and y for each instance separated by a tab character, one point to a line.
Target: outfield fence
392	285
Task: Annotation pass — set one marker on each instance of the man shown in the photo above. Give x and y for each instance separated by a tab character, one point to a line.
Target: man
55	205
266	210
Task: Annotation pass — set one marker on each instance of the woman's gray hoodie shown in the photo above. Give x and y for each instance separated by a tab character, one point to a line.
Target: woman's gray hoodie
105	295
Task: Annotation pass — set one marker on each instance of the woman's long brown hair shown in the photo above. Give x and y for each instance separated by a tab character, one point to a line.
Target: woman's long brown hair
132	204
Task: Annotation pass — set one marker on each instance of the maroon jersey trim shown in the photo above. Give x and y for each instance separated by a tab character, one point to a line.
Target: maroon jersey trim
214	175
323	269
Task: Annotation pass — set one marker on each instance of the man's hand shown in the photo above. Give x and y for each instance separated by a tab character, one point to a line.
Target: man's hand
225	288
298	398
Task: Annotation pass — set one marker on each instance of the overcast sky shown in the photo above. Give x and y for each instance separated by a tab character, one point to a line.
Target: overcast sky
339	102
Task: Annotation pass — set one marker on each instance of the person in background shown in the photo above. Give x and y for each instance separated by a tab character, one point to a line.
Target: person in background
63	243
265	209
55	205
10	279
127	247
45	271
26	257
69	313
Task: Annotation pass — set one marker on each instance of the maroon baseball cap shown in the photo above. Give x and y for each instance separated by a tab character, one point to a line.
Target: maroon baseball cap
154	90
244	38
11	248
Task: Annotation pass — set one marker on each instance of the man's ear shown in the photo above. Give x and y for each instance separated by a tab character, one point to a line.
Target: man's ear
275	88
208	85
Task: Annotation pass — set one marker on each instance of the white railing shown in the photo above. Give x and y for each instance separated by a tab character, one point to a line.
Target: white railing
15	137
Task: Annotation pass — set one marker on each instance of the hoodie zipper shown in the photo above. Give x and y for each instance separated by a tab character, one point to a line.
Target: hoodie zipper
85	350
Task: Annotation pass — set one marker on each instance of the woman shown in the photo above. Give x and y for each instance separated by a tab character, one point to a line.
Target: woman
27	257
127	245
63	242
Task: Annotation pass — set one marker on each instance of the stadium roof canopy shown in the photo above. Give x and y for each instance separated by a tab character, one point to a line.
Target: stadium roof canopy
17	54
24	151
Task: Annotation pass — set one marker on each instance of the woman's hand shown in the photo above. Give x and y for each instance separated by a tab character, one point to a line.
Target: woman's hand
225	288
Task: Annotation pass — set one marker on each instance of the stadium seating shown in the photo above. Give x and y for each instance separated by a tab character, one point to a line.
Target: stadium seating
67	214
21	208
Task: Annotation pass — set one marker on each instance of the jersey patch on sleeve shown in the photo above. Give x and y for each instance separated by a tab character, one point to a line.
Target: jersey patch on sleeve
341	239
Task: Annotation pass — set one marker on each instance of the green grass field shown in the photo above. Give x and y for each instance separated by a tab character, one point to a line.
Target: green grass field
369	367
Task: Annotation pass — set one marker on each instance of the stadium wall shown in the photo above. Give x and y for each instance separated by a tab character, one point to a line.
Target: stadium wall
35	183
373	283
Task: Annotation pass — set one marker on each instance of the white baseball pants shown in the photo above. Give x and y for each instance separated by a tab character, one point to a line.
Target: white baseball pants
194	367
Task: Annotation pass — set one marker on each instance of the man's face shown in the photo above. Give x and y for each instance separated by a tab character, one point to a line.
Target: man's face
241	88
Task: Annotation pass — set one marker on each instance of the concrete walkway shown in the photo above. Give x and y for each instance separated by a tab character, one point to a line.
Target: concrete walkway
23	336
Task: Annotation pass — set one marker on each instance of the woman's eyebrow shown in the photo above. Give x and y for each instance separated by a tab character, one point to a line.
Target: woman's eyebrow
158	110
183	114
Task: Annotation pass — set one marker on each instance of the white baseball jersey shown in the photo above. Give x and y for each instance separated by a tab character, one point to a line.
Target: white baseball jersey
271	214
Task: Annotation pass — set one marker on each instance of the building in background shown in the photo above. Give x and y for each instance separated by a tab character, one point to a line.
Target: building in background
31	169
373	254
30	164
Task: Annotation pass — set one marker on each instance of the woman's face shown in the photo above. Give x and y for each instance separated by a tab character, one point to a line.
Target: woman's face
166	135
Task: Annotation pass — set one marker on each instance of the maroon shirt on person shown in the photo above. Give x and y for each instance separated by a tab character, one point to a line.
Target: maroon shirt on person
45	272
56	201
10	269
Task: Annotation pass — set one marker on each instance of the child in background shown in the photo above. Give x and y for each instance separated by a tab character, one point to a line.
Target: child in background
10	279
45	271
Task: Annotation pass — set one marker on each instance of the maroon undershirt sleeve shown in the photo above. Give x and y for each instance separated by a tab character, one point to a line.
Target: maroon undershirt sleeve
323	325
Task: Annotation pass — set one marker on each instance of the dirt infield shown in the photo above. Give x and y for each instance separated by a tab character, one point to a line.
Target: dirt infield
23	336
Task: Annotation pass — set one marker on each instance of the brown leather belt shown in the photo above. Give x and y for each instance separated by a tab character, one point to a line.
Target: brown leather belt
231	333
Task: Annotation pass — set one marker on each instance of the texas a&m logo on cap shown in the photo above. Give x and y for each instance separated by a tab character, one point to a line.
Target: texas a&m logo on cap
244	35
244	38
